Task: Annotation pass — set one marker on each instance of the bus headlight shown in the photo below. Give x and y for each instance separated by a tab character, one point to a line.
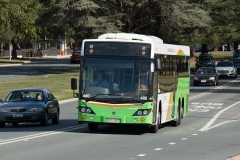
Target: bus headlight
139	113
83	110
86	110
142	112
89	110
145	112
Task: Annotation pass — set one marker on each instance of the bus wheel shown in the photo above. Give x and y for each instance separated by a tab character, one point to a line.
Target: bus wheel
177	121
92	126
154	128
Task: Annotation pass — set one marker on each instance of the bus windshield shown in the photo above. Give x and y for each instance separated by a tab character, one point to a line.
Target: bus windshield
116	80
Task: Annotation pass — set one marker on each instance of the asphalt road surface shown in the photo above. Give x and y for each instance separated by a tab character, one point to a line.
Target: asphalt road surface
209	132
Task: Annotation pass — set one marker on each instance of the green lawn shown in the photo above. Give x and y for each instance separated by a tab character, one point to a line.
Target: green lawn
58	84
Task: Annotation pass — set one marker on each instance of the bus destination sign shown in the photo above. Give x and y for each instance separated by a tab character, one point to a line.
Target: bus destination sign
117	49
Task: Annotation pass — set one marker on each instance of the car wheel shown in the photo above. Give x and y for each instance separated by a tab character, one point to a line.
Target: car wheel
92	126
56	119
14	124
2	124
45	121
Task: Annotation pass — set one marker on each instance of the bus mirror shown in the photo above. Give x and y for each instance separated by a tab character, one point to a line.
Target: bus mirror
73	83
158	64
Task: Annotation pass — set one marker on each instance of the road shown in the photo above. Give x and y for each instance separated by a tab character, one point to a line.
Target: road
208	132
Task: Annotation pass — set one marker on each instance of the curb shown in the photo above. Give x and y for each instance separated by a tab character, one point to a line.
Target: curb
68	100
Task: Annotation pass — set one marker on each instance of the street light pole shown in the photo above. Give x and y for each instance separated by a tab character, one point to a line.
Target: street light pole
10	49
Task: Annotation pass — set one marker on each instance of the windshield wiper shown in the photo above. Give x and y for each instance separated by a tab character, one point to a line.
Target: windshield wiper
95	96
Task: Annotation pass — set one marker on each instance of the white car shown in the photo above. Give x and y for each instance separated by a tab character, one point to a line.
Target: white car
226	68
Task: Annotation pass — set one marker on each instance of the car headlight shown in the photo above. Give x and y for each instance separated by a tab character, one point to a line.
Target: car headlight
195	78
211	78
3	110
35	109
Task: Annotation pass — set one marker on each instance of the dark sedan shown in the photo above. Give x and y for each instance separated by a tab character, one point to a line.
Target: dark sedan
29	105
206	75
236	62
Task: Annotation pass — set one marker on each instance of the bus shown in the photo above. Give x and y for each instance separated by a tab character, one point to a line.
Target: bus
140	81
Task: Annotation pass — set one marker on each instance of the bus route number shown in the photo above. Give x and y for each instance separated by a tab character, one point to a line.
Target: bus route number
134	50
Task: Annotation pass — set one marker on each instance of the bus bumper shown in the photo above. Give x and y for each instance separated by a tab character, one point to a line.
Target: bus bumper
115	119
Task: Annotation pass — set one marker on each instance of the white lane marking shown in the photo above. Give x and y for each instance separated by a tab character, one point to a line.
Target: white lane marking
141	155
194	134
216	116
26	138
184	138
220	124
213	89
172	143
158	149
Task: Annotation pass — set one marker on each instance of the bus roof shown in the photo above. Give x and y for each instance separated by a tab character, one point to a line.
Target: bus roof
159	46
131	36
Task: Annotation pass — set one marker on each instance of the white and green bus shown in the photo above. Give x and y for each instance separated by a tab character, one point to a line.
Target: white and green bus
132	79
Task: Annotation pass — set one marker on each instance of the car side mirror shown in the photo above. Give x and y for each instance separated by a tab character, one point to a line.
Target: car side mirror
1	100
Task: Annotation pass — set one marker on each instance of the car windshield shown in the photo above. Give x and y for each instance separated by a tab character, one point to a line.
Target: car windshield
224	64
205	71
204	58
24	95
76	53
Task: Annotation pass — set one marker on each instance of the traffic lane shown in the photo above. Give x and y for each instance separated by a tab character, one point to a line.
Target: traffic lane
205	87
37	69
186	131
121	142
221	100
68	119
12	77
89	145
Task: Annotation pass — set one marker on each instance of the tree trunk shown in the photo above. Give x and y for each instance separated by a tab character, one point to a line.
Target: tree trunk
1	50
236	45
204	48
14	48
191	52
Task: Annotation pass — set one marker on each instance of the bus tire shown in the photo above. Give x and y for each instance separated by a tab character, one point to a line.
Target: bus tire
154	128
177	121
92	126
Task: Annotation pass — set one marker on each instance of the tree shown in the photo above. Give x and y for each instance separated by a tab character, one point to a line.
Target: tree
17	19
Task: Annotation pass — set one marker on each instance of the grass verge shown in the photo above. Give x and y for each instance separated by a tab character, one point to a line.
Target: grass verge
58	84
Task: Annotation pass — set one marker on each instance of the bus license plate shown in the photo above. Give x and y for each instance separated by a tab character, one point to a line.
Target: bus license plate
17	115
113	121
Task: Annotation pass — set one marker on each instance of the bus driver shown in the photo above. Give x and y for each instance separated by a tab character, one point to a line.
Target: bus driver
100	81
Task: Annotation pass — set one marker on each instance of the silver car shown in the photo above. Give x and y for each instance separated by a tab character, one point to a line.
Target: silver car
226	68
